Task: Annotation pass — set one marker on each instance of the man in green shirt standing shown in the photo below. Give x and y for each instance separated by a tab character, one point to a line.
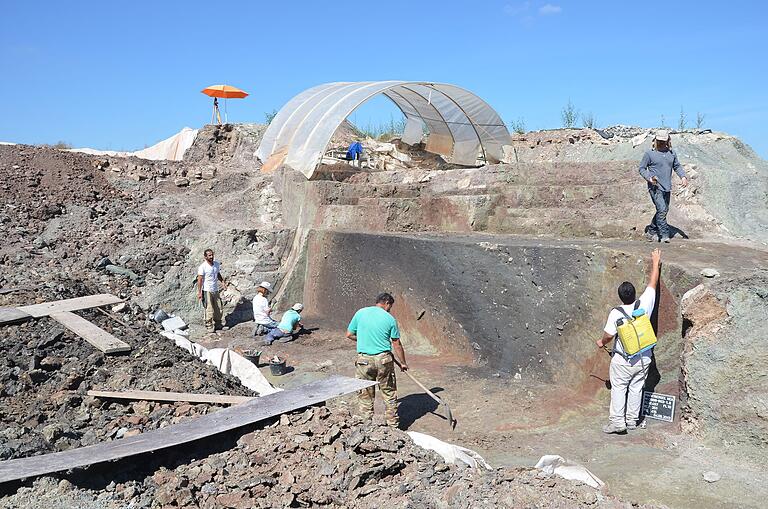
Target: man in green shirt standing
376	333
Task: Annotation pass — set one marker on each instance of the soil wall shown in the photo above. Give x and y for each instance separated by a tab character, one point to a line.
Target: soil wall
510	306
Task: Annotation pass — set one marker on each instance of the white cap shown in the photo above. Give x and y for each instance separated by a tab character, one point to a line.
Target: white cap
265	285
662	135
298	306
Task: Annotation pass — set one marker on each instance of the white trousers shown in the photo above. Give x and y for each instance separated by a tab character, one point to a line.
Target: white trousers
627	391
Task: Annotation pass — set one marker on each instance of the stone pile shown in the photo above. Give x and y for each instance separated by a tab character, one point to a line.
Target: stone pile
63	213
46	371
624	131
316	457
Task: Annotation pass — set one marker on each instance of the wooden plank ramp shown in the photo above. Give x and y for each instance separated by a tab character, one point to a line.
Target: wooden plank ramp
13	315
222	399
187	431
91	332
58	306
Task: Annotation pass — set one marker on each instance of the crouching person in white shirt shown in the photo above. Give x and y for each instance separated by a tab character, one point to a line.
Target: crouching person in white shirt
262	312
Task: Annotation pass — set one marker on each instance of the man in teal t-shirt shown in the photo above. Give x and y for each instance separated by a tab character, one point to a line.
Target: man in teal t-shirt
289	324
376	333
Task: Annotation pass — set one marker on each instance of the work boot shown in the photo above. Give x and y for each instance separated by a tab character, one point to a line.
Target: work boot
633	425
613	428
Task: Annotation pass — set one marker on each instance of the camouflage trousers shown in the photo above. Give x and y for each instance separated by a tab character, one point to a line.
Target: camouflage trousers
380	368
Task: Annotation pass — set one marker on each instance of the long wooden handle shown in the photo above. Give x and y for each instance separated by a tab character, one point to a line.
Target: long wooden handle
418	383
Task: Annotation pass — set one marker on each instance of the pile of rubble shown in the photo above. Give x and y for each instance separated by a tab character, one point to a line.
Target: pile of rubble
623	131
318	457
65	214
46	371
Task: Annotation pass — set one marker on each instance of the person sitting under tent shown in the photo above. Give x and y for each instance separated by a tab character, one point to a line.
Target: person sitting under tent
355	152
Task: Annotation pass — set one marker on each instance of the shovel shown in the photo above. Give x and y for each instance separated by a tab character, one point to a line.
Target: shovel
448	414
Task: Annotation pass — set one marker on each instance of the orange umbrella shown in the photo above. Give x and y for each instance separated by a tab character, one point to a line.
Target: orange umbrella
225	91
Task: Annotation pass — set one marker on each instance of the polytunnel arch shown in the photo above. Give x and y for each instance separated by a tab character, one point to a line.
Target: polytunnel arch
460	124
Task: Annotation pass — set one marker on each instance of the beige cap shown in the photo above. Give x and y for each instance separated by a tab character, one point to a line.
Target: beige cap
266	286
662	135
298	306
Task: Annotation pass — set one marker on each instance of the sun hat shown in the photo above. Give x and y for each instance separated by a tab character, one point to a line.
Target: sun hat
297	307
662	135
265	285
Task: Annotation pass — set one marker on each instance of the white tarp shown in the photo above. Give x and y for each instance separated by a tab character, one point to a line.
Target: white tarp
170	149
451	453
557	465
228	362
461	125
413	132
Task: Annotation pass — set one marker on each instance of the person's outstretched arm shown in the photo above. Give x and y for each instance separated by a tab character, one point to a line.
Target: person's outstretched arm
653	274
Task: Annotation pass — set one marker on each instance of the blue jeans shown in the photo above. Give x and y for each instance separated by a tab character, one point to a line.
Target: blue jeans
264	328
278	335
659	224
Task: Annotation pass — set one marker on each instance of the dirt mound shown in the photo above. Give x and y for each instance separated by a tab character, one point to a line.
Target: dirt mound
230	144
46	372
730	179
64	212
314	458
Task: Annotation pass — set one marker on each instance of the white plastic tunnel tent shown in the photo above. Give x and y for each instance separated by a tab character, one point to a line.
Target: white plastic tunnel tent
460	125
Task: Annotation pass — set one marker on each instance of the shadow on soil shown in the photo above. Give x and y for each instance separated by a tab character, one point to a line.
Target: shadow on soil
415	406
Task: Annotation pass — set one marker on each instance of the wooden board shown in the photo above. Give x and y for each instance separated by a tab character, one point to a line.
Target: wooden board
13	315
223	399
187	431
57	306
90	332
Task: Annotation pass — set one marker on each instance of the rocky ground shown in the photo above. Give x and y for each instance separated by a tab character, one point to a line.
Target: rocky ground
75	224
46	372
317	457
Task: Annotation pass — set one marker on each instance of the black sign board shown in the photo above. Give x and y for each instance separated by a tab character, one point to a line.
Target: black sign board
658	406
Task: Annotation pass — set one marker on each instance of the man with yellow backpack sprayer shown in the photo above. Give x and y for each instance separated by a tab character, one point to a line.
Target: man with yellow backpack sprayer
630	328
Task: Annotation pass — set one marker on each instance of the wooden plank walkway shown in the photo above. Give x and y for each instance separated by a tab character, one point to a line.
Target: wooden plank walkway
91	332
58	306
187	431
223	399
13	315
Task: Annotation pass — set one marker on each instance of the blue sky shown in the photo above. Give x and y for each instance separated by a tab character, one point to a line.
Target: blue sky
123	75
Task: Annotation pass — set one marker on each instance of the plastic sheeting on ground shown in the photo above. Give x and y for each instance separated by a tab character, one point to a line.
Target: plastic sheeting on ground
228	362
554	464
170	149
450	453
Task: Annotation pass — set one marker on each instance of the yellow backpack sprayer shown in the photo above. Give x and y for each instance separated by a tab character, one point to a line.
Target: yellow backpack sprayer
635	332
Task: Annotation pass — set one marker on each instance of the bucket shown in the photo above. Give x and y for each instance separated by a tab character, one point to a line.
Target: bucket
277	368
159	316
252	356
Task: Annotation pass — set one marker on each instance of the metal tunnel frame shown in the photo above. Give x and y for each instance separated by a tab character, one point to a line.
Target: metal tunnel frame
460	124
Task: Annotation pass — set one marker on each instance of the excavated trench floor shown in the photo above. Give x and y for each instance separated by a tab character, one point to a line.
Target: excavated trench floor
503	328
